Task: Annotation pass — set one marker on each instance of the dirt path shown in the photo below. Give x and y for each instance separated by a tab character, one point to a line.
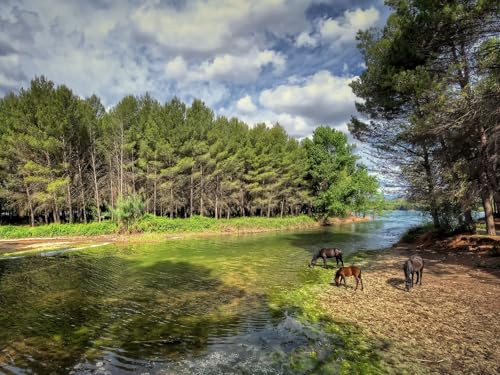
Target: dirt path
449	325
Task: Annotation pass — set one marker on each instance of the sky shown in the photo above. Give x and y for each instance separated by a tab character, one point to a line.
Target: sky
286	61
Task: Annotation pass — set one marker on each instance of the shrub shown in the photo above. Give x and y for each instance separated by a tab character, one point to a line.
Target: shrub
129	211
413	233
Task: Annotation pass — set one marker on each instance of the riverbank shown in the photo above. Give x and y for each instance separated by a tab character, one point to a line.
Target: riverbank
449	325
24	239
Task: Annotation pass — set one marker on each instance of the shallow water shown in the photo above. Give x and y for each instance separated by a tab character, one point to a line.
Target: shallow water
193	306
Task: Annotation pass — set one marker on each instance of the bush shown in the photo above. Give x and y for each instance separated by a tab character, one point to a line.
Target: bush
129	211
56	230
137	221
413	233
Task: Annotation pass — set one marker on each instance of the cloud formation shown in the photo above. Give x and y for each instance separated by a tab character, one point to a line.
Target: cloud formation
240	69
324	98
263	60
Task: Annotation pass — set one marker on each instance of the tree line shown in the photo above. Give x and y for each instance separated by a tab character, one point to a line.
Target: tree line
431	95
67	159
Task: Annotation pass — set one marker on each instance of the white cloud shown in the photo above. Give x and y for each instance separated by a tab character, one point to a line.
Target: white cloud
243	68
176	68
323	97
344	31
245	105
212	26
306	40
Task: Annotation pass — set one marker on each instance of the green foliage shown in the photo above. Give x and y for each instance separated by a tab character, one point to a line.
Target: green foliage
155	224
399	204
339	184
64	158
58	230
432	103
129	211
414	233
152	223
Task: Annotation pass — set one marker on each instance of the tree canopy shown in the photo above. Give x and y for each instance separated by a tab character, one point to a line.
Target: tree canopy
65	159
430	104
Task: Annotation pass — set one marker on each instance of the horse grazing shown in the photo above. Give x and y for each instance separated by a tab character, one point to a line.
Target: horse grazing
349	271
413	265
327	253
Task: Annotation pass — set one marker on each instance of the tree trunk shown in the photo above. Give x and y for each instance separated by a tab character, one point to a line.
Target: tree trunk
216	196
201	190
55	212
121	159
469	221
154	190
430	187
171	202
486	187
111	195
96	188
70	203
486	197
282	206
68	187
242	203
191	197
30	203
82	192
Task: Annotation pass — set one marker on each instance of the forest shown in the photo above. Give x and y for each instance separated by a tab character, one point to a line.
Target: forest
66	159
430	109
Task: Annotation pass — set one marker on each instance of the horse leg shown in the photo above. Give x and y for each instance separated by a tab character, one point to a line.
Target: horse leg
357	282
412	278
421	272
324	261
342	260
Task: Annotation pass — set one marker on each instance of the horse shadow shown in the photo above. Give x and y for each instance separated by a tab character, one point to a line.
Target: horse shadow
397	283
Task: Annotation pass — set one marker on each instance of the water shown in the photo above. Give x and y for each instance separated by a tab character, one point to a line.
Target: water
194	306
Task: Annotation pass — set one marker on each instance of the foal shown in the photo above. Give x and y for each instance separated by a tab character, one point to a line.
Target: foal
327	253
413	265
349	271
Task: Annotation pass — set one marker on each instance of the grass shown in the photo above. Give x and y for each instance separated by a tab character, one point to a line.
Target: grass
343	348
157	224
58	230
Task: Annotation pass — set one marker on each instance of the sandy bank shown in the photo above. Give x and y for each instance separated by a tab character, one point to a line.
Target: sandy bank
449	325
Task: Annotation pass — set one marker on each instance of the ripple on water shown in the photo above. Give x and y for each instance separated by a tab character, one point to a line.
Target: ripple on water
187	306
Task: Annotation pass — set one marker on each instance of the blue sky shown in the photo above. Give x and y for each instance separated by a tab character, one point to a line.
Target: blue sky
267	61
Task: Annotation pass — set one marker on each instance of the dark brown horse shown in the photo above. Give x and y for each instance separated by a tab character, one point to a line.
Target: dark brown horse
327	253
414	265
349	271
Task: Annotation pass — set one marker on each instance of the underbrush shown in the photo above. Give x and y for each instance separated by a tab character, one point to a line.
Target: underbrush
157	224
412	234
152	223
58	230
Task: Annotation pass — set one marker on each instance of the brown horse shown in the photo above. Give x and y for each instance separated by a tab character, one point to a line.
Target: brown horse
327	253
414	265
349	271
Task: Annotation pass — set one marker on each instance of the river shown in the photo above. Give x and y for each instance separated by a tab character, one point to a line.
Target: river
185	306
